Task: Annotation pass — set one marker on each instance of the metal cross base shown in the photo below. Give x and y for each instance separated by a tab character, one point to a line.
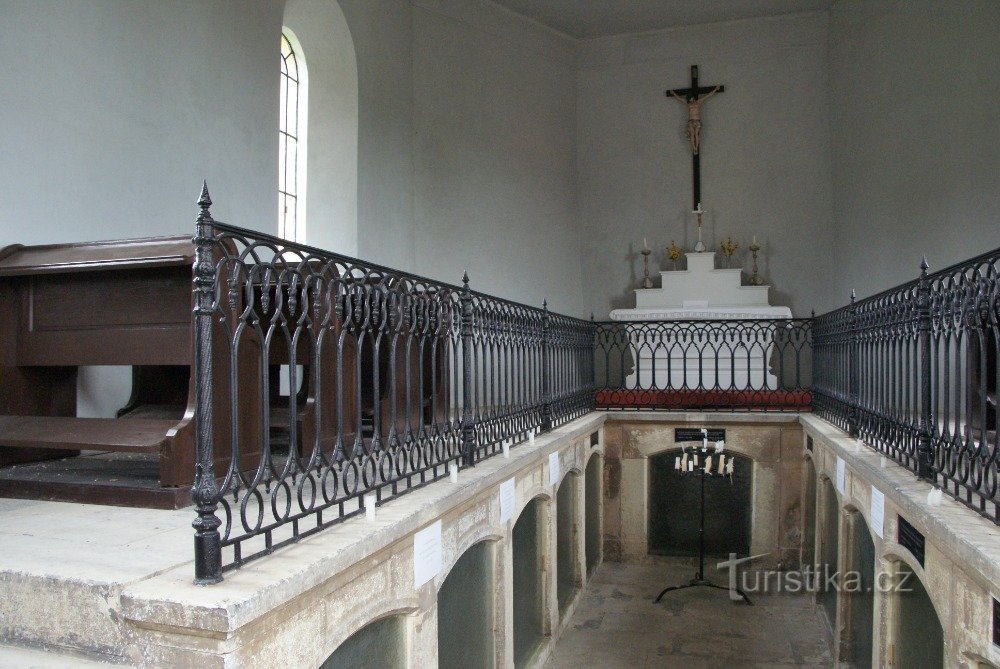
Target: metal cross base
703	582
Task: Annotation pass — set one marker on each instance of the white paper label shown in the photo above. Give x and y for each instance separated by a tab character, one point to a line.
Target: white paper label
508	500
553	468
426	554
878	511
841	475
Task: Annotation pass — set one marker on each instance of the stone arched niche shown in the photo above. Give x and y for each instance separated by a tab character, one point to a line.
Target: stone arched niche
381	643
529	543
675	508
916	631
768	448
467	610
594	482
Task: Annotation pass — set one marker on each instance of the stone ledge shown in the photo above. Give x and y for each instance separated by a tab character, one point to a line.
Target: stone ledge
171	602
957	531
713	417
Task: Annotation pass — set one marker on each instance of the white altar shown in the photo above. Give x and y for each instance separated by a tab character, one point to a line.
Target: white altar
700	355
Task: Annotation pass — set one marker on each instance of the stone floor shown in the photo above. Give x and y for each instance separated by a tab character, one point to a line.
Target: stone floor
617	624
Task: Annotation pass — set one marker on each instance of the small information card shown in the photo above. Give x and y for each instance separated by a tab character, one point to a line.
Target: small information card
554	468
841	475
878	511
427	556
508	500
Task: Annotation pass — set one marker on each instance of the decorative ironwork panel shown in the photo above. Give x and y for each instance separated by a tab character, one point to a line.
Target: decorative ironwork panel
887	349
964	312
913	371
325	383
735	365
352	368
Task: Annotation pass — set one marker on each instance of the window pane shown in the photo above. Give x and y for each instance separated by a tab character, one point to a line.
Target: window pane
288	101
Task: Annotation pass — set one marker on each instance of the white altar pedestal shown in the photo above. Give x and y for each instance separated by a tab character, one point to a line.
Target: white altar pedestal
701	355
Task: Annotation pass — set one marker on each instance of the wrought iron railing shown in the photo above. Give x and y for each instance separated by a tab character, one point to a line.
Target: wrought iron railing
913	372
348	383
705	365
324	384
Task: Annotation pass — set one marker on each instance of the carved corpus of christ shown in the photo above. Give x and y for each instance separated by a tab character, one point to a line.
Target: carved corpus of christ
694	117
693	97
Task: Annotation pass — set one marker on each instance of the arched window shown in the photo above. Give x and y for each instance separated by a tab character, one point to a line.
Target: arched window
291	142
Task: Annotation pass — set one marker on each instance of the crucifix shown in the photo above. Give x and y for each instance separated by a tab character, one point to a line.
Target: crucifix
693	97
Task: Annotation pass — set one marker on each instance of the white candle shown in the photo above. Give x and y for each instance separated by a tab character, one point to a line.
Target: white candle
645	245
684	462
722	463
729	467
708	465
690	466
695	459
677	462
755	239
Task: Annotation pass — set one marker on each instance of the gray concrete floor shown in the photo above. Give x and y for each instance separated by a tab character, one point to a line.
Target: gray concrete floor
617	624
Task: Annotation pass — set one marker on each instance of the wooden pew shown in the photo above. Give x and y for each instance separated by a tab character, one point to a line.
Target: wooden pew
129	302
126	302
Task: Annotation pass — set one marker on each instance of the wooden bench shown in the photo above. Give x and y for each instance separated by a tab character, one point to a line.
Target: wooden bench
126	302
129	302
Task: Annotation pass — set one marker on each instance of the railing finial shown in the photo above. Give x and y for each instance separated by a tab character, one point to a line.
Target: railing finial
465	279
854	295
924	266
204	200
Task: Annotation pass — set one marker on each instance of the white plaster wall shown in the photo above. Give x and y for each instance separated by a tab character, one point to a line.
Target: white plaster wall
467	147
383	41
494	153
114	111
765	162
914	95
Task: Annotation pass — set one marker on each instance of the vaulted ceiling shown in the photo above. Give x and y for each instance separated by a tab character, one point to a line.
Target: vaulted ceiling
595	18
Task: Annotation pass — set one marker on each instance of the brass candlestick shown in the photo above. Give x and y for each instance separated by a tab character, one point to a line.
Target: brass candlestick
728	249
646	281
673	253
755	278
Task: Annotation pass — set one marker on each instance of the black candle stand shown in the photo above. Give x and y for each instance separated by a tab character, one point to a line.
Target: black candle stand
699	579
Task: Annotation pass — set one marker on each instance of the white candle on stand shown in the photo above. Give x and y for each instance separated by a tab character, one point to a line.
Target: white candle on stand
708	465
684	462
677	462
690	466
695	459
722	463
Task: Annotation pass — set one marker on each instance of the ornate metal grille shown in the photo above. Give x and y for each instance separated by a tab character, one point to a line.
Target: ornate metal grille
392	379
913	371
288	144
737	365
325	383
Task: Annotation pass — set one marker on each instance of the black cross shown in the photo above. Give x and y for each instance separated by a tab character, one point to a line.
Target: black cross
689	94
